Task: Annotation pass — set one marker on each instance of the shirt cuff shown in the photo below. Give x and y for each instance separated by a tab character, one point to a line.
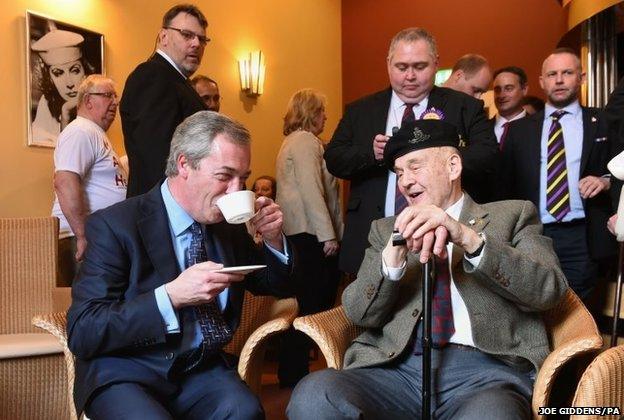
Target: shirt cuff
392	273
282	256
166	310
475	260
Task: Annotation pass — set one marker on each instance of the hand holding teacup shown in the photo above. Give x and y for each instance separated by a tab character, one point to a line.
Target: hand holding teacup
268	222
264	215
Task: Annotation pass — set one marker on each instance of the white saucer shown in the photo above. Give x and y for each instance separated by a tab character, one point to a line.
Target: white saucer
241	269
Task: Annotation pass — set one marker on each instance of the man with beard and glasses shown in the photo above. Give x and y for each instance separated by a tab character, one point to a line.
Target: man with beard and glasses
158	95
558	160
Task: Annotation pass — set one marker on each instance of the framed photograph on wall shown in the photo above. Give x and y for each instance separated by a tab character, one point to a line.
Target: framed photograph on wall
59	56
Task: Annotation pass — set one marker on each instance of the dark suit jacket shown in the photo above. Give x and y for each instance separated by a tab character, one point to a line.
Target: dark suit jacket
350	156
156	98
518	277
520	171
115	329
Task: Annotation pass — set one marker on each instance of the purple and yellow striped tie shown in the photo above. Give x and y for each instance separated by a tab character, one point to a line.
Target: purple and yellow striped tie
557	190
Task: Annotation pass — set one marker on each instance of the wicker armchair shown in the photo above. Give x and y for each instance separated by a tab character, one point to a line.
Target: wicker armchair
572	332
602	385
262	317
32	371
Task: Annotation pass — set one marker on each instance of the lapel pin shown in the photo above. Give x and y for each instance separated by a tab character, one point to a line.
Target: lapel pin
593	119
471	222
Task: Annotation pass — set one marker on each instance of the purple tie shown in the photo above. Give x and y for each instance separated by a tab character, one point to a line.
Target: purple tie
557	191
503	136
399	200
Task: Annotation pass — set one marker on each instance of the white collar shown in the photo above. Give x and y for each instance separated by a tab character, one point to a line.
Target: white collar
166	57
502	120
455	209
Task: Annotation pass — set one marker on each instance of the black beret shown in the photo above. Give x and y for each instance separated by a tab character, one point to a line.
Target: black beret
417	135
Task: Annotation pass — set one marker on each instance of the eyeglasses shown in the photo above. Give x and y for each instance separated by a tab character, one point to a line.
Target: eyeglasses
108	95
190	35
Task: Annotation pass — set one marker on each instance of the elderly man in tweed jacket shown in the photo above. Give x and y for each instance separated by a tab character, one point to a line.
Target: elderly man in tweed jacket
496	273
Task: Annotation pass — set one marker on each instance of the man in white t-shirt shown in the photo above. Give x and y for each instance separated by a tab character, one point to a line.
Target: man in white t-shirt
87	174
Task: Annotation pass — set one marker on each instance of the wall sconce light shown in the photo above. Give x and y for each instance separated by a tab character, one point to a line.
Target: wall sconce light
252	73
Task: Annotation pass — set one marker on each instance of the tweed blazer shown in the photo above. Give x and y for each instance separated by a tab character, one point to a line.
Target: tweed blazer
517	278
306	191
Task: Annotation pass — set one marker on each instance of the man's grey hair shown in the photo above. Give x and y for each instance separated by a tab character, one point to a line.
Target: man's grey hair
412	35
89	83
194	136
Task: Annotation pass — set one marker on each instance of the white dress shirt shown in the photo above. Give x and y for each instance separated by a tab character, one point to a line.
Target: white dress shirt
500	122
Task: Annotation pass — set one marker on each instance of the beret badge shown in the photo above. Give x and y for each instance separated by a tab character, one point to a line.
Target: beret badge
419	136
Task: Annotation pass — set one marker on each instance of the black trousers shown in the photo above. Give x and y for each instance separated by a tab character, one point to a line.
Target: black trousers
315	289
570	244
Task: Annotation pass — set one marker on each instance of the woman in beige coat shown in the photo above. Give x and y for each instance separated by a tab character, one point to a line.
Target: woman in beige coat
309	198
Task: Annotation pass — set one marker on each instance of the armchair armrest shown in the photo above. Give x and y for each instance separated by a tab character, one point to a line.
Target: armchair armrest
56	324
332	331
573	333
281	315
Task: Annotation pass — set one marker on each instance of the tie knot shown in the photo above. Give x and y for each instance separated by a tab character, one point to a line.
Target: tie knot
410	106
558	114
195	228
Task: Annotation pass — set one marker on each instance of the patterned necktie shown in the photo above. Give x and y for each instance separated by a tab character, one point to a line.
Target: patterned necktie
557	191
399	200
442	325
503	135
215	330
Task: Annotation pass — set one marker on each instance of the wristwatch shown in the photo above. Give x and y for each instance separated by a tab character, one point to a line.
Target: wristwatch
478	251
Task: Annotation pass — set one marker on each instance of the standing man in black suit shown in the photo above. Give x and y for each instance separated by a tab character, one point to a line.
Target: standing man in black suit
510	87
150	310
558	160
356	150
158	96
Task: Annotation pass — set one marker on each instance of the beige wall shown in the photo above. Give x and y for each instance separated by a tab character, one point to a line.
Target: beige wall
301	40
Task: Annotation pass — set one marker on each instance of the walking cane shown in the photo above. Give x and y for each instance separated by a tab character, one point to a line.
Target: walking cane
427	297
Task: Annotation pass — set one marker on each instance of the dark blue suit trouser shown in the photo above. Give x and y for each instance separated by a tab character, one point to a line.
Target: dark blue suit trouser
214	393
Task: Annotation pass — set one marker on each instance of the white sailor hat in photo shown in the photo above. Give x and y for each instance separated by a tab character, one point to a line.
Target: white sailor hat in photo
59	47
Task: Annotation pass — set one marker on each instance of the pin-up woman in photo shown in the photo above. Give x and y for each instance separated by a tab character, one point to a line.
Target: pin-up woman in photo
62	70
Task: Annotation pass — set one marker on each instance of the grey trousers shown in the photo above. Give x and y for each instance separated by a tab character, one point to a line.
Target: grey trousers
466	384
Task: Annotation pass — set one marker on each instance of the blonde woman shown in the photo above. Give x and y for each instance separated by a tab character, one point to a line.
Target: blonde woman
308	196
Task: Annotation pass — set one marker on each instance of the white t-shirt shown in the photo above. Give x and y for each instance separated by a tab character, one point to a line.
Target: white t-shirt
84	149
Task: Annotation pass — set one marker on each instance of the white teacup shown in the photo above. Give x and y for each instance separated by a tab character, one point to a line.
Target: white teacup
237	207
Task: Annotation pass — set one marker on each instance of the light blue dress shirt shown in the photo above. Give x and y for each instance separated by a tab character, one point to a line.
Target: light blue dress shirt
572	127
179	224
